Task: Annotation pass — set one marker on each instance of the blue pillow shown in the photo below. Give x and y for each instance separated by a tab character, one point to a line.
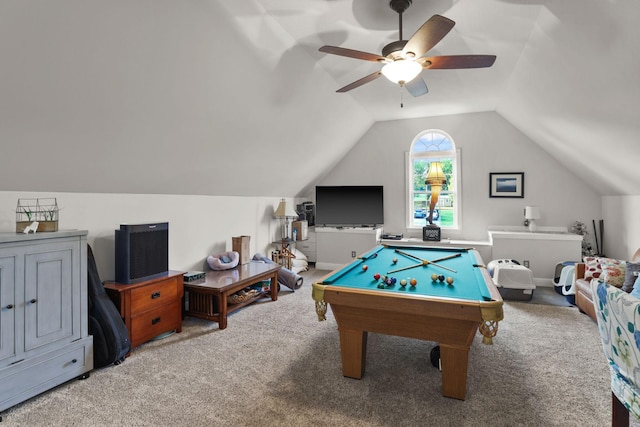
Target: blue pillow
636	288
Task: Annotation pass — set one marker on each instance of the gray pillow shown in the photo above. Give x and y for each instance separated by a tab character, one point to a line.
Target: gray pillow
630	276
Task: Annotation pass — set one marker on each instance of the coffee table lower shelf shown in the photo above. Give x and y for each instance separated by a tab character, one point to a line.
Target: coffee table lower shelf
205	306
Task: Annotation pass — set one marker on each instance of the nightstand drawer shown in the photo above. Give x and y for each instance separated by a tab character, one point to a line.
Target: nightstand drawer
154	295
155	322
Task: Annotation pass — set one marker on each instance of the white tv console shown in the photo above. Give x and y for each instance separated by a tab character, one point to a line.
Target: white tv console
337	246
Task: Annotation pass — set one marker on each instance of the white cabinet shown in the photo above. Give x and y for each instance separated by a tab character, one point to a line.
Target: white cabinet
541	250
338	246
308	246
44	337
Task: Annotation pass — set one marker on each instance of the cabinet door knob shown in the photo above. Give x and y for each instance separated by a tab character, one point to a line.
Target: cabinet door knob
33	301
10	306
155	295
74	360
155	321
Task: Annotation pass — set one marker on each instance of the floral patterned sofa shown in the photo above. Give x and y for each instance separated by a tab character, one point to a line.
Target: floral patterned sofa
618	317
618	273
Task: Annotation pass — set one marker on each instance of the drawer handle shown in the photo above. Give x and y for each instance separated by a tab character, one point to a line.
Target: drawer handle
155	321
33	301
155	295
10	306
74	361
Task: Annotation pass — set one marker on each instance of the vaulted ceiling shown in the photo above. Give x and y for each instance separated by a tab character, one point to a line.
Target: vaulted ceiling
211	97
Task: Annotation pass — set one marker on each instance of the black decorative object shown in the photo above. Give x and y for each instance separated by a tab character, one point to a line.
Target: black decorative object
431	233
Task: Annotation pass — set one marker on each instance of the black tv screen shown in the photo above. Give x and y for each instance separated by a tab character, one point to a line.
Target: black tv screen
351	206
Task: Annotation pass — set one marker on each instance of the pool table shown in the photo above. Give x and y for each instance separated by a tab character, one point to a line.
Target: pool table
433	310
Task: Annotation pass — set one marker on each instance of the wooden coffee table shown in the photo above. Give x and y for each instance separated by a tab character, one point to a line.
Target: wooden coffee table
208	298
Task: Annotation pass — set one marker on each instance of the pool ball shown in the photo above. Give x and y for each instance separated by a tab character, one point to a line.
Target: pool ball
450	280
403	282
381	285
383	277
413	282
376	276
434	277
388	281
393	280
395	260
441	278
365	267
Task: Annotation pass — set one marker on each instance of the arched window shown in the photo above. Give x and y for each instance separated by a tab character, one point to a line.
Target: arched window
433	146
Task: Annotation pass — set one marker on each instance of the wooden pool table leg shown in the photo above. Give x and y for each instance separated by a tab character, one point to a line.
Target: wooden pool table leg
454	362
353	349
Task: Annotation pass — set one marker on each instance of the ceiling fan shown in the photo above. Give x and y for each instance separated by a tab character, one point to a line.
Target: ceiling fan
404	60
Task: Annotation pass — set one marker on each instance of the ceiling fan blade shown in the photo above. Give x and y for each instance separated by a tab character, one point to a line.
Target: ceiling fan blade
431	32
360	82
457	61
350	53
417	86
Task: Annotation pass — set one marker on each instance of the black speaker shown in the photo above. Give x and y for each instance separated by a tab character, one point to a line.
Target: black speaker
141	252
310	213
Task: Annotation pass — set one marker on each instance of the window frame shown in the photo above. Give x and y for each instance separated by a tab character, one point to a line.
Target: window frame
455	188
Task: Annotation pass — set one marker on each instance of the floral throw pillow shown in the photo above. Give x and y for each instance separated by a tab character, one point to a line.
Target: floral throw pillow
592	268
613	271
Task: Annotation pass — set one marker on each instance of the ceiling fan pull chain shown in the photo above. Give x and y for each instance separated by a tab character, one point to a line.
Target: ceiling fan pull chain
401	97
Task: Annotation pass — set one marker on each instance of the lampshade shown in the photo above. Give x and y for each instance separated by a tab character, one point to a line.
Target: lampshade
401	71
284	211
435	174
532	212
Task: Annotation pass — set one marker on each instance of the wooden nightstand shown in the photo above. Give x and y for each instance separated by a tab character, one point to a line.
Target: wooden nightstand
149	308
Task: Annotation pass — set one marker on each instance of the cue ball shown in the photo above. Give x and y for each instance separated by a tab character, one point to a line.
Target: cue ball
441	278
450	280
376	276
413	282
403	282
434	277
365	267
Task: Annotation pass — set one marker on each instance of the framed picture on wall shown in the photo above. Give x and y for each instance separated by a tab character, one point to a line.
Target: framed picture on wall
506	184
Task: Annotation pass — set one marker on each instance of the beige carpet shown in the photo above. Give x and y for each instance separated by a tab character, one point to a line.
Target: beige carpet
276	365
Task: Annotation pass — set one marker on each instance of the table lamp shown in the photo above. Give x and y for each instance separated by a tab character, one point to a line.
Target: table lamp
285	213
531	213
435	178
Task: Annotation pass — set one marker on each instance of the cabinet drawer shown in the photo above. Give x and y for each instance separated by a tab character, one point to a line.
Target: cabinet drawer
155	322
153	296
33	376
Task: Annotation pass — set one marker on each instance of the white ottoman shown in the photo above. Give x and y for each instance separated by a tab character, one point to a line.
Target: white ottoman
515	282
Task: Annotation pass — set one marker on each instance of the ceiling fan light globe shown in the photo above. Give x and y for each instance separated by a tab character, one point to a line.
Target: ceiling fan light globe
401	71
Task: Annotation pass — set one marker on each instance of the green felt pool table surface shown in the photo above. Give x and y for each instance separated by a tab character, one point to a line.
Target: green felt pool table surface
406	263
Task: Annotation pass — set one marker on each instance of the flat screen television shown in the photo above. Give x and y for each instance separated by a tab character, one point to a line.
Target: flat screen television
141	252
349	206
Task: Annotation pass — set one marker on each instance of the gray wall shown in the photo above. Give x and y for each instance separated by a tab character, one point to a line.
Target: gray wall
488	143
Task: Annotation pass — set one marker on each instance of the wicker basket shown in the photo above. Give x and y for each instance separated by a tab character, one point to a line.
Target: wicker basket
242	296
